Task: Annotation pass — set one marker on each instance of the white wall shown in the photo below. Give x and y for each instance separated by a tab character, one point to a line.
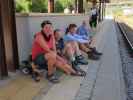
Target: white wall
28	25
23	37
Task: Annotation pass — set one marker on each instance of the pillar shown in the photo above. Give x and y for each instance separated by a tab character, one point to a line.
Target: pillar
80	6
3	67
9	34
50	6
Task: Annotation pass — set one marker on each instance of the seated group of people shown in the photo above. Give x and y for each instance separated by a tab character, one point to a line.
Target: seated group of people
51	50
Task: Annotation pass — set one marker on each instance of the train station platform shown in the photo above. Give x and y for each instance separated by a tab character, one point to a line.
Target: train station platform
104	80
109	83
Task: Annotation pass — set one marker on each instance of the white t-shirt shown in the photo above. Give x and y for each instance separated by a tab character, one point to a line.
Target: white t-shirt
93	12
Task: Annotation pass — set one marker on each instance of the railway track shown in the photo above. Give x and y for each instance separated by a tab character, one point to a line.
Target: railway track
127	33
125	38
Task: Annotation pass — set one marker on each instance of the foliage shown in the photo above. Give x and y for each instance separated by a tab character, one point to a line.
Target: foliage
66	3
23	6
58	6
40	6
27	6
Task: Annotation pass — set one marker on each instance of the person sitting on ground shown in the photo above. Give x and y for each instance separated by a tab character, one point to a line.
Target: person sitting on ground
69	49
44	53
84	32
71	35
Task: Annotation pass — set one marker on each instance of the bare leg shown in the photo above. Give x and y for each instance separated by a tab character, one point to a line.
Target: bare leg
76	48
51	58
63	66
35	70
69	51
84	48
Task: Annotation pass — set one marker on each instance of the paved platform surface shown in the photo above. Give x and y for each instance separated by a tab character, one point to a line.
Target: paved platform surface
21	87
104	80
109	83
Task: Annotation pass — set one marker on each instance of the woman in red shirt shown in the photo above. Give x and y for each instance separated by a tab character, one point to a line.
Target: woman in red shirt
44	49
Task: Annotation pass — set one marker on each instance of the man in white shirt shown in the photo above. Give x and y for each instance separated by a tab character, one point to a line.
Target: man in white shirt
93	17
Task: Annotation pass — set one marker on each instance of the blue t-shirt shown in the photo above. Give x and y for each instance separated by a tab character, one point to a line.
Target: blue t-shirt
74	37
82	31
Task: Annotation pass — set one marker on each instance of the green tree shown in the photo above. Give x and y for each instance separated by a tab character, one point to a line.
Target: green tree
23	6
66	3
40	6
59	7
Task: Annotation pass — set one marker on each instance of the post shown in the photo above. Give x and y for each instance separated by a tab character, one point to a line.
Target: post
80	6
3	67
50	6
76	5
104	9
99	11
14	34
9	34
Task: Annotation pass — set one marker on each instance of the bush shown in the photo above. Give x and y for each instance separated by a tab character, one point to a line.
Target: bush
40	6
23	6
58	7
26	6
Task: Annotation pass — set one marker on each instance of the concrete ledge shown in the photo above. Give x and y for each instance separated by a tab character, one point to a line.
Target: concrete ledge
46	14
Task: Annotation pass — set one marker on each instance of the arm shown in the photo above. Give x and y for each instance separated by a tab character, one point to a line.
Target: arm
75	38
54	46
79	38
68	38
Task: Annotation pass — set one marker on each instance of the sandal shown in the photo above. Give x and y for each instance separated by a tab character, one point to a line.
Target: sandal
79	73
52	78
82	73
36	77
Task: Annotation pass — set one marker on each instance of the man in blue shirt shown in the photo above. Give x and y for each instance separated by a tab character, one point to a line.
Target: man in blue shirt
86	34
83	31
65	48
75	37
71	35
